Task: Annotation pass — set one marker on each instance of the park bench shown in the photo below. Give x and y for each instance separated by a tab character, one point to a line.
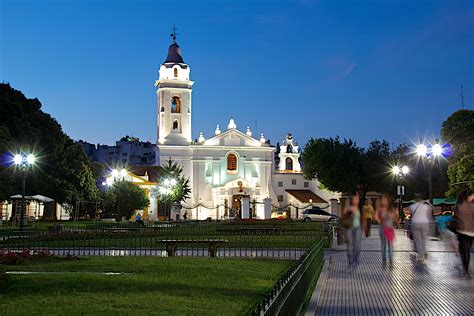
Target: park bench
259	230
172	245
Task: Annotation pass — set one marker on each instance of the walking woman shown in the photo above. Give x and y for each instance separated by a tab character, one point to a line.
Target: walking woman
387	217
353	232
465	227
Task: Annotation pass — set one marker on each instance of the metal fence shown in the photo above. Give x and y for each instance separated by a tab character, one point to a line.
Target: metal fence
290	292
265	239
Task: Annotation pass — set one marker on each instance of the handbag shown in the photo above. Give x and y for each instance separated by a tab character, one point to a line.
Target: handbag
347	220
389	233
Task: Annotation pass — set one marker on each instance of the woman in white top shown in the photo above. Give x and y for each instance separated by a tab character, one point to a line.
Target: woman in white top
421	216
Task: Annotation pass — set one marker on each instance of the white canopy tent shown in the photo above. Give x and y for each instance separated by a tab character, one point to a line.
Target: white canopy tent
35	207
37	197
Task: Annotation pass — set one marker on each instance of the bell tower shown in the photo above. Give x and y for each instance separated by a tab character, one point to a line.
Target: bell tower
174	98
289	155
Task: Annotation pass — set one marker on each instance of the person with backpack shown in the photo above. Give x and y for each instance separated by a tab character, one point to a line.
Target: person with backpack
421	216
351	222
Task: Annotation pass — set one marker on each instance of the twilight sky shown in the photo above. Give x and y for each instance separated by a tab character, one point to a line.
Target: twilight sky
374	69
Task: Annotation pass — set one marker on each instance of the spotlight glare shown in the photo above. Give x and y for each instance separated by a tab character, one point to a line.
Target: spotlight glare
17	159
167	182
123	172
421	150
115	173
30	159
109	181
437	150
405	170
173	182
396	170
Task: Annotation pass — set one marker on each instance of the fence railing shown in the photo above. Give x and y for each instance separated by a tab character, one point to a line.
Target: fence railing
288	295
273	239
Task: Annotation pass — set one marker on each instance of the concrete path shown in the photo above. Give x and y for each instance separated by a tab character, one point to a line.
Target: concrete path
408	288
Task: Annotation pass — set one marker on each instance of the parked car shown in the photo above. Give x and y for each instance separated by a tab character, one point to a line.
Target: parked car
317	215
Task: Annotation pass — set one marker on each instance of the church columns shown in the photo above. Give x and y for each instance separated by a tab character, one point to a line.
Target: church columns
245	208
267	208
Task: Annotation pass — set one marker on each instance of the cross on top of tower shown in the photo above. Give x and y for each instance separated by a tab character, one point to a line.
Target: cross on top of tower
173	34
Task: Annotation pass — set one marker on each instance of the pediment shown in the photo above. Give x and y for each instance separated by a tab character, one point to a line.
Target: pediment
233	137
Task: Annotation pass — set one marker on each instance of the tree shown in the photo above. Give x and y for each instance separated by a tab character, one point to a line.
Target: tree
458	131
175	193
181	191
340	165
124	197
62	172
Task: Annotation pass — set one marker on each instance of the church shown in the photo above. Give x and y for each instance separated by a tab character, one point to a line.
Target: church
234	173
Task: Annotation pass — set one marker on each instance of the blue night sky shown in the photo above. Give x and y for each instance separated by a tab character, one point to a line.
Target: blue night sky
378	69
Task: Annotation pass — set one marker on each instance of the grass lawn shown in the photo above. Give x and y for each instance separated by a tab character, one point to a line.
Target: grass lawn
150	286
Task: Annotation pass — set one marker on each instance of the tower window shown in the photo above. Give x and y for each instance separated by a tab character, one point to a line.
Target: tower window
175	105
176	72
175	125
289	163
231	162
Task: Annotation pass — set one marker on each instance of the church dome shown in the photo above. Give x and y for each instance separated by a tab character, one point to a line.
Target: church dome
174	54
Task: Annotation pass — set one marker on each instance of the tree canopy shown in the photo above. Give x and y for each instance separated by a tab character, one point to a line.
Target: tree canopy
458	131
340	165
124	197
182	189
62	171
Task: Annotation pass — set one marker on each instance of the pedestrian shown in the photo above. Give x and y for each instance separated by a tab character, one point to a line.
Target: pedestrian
421	214
387	216
464	213
367	213
353	232
185	216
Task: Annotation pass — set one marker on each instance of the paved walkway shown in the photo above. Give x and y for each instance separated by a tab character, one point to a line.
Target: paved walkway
433	288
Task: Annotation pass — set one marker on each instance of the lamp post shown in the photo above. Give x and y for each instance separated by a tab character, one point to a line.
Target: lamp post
400	173
24	162
429	153
166	189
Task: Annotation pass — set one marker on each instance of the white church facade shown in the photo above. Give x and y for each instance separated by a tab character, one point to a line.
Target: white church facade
233	174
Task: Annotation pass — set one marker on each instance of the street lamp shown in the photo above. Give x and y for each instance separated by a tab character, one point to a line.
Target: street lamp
165	190
430	153
24	162
400	173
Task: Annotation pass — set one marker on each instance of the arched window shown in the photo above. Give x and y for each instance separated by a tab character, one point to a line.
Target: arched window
175	105
231	162
289	149
289	163
176	72
175	125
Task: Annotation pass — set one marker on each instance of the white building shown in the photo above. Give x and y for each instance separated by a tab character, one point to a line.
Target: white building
232	169
129	151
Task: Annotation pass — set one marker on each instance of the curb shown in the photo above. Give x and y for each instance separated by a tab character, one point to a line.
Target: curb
313	302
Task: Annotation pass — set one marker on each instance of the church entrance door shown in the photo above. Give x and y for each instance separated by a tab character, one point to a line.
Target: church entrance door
237	204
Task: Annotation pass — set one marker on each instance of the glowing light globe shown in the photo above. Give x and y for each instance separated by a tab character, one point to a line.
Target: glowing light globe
421	150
